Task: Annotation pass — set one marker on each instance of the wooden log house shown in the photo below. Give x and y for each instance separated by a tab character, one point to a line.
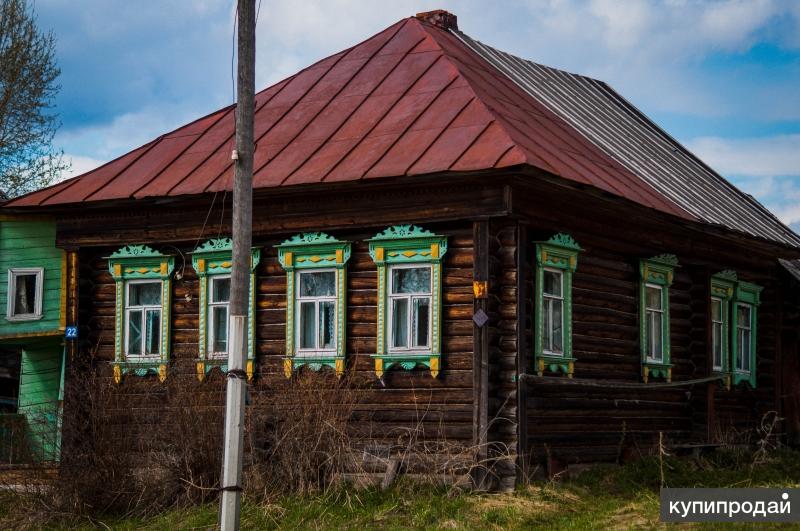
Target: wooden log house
515	255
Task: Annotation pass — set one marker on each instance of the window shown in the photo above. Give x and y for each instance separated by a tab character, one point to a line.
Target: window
143	289
218	306
316	312
717	334
721	293
654	323
744	323
143	319
409	264
744	335
553	312
25	289
213	262
316	280
556	261
656	275
410	308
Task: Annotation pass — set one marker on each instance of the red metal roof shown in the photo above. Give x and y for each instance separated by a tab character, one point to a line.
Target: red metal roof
413	99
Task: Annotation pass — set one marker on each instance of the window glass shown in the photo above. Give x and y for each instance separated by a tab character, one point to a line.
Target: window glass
716	332
219	322
153	329
308	325
318	284
744	337
653	295
25	294
221	289
557	321
326	322
420	321
135	332
144	294
411	280
400	323
552	283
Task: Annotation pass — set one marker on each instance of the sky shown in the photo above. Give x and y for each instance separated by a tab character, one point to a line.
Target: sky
722	77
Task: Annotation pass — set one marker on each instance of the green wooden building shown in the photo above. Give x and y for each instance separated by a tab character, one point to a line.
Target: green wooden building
32	299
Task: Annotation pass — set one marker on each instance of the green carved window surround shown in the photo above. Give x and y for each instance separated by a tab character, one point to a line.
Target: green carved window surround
722	289
143	284
317	261
744	319
213	263
409	262
556	261
656	276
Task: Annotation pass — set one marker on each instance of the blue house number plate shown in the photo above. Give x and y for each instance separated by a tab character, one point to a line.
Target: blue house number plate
71	332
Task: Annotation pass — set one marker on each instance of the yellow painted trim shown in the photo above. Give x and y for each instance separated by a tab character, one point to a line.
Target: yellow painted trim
339	368
287	257
379	254
49	333
480	289
200	368
117	270
434	250
379	367
339	256
163	268
201	265
645	373
287	367
117	374
249	370
162	373
434	367
62	319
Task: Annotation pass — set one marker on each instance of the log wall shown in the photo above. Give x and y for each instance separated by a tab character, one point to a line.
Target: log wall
406	404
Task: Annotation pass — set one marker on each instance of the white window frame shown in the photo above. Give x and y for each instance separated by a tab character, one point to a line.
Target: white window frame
660	312
390	297
749	328
144	309
547	300
211	304
721	324
299	299
13	273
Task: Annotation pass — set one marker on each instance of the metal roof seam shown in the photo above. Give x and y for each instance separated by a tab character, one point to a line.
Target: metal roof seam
360	104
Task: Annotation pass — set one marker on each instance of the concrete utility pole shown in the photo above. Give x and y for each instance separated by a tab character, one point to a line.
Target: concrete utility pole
230	504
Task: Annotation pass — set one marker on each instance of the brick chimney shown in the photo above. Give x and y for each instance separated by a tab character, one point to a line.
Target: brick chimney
439	18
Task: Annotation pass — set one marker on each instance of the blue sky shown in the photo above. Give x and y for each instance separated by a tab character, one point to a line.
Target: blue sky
723	77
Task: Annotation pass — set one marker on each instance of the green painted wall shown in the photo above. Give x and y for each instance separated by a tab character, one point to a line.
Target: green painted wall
31	243
39	396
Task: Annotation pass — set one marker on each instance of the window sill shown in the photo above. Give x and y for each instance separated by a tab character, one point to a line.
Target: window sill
555	363
314	362
407	361
654	369
743	377
23	318
140	367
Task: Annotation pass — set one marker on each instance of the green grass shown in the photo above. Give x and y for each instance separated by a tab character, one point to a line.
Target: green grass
601	498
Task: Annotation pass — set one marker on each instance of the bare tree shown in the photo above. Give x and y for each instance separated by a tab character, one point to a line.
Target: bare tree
28	74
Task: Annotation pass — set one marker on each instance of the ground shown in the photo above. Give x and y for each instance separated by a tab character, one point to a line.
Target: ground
604	497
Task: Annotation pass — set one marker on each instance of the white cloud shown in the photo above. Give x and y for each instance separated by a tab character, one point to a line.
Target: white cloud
774	156
79	165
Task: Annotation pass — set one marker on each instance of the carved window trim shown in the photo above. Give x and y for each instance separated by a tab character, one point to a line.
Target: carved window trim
130	264
559	253
214	259
747	294
658	271
307	252
722	288
38	296
408	244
